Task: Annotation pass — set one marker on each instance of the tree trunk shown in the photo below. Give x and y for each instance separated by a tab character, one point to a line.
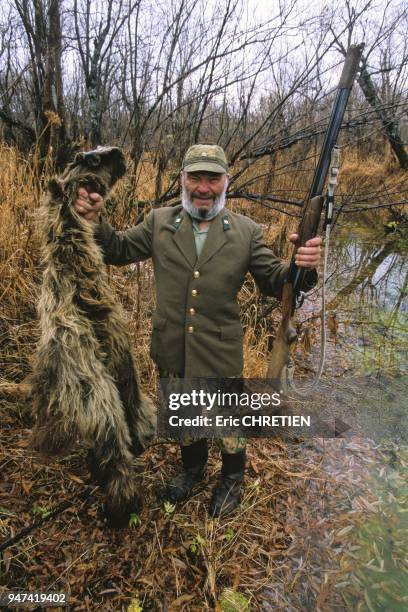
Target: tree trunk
94	125
53	89
389	123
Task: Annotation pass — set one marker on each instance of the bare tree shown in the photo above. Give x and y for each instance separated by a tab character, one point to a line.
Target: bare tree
41	23
377	34
157	77
97	27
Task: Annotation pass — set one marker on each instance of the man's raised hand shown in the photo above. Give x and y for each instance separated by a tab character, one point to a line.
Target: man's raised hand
88	204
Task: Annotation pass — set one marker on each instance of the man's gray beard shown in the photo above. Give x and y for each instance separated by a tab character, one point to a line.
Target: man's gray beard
203	214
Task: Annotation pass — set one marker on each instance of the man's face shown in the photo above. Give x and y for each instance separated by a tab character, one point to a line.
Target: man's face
203	189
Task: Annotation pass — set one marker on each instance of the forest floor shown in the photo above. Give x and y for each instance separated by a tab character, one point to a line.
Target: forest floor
294	544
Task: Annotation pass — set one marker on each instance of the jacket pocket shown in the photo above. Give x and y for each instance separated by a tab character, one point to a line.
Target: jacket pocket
231	331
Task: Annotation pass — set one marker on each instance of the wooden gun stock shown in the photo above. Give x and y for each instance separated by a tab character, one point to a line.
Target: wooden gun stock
286	335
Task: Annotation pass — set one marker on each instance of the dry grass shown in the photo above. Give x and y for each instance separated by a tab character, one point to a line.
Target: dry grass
372	179
19	272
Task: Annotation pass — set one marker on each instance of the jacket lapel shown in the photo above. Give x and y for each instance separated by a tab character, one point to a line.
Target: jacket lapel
184	239
215	240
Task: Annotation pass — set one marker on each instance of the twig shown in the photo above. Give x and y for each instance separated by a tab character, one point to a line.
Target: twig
84	496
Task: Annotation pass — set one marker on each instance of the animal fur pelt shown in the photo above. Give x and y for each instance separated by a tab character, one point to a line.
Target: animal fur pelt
85	384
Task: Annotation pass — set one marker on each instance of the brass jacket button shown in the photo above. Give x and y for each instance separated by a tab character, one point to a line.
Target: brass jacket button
194	292
190	329
192	311
196	274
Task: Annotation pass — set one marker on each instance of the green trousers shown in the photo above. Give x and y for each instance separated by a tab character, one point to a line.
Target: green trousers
229	445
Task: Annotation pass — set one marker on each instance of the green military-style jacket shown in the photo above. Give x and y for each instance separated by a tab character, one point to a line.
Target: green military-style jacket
196	325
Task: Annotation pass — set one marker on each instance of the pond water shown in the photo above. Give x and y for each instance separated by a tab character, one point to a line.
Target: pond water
365	376
368	293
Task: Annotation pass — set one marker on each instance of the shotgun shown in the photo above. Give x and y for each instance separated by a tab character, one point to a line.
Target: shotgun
286	336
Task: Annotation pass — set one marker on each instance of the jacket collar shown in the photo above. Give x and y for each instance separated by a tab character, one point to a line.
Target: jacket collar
184	237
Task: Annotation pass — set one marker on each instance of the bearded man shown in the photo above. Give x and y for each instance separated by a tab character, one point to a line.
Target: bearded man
201	253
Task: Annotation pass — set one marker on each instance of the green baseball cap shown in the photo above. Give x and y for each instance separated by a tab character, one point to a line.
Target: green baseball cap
205	158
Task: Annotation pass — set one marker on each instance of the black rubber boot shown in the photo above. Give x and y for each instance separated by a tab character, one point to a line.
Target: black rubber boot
227	495
194	458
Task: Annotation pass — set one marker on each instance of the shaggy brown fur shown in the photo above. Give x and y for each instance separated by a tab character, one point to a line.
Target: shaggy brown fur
85	383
